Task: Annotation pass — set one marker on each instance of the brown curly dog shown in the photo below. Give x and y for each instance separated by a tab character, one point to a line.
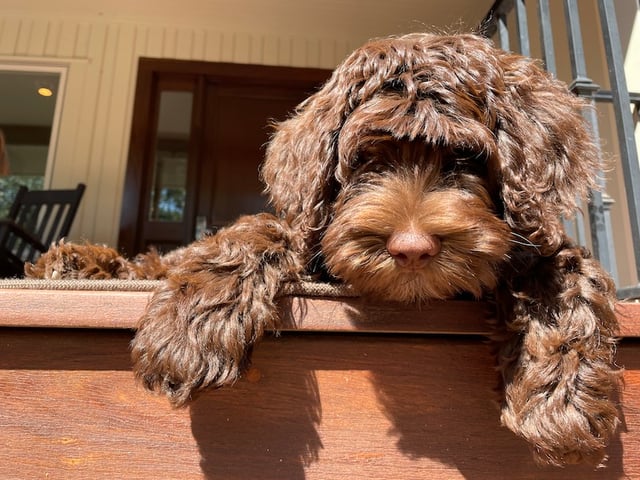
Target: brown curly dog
427	166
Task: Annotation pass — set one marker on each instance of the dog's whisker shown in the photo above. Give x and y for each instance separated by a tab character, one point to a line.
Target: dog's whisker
525	241
316	256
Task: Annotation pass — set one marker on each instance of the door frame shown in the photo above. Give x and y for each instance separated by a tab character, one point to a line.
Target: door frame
150	71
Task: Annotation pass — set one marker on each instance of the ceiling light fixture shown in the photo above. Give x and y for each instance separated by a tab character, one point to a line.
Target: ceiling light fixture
45	91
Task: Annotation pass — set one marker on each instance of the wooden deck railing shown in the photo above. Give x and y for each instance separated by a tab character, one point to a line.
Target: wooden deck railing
347	390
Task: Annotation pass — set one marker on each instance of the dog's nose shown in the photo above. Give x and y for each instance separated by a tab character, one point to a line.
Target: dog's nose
411	249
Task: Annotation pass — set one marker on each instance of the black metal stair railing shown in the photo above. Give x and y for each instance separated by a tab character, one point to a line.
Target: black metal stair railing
495	24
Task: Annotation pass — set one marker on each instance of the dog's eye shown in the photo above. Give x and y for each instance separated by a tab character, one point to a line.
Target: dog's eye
363	164
372	165
466	161
394	85
463	153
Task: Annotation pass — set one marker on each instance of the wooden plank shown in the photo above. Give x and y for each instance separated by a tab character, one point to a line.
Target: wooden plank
109	309
119	309
271	50
52	41
184	38
313	407
24	36
243	45
356	314
227	46
9	35
86	34
197	49
629	318
155	41
169	42
212	46
66	42
38	37
327	56
111	155
71	309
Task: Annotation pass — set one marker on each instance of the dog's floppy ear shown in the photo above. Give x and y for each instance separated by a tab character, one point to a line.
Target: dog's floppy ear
301	158
547	155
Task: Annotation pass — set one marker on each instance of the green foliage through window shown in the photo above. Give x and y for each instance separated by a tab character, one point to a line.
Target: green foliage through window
9	186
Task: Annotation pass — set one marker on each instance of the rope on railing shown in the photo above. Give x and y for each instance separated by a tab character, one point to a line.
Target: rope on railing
303	289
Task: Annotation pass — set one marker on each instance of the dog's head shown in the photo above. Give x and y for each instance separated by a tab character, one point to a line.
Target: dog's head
440	148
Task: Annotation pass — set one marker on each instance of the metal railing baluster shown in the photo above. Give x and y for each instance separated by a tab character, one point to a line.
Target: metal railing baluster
626	138
495	23
523	28
585	87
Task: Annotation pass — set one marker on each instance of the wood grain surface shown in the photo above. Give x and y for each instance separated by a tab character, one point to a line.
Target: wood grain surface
121	309
369	394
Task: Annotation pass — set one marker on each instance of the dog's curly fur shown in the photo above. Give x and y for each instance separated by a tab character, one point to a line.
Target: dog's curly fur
427	166
98	262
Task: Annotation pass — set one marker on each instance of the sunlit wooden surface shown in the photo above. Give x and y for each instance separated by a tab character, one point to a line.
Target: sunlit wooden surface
347	391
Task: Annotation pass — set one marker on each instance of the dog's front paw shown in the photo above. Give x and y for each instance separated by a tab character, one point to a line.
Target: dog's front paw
559	364
193	337
199	328
563	427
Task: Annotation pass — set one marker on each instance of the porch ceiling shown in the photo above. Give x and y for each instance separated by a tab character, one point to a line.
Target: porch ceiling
369	18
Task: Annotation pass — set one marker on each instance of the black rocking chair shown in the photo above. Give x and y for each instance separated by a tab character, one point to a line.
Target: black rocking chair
36	219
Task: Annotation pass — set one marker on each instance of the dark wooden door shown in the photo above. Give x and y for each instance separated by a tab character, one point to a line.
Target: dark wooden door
238	127
198	138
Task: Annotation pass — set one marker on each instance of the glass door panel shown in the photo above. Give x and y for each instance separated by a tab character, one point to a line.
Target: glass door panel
169	188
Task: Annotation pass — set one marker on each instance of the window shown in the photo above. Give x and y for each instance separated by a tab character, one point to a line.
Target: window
169	189
30	97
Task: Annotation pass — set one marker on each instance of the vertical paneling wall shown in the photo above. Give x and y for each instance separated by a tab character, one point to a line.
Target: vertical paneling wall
101	57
